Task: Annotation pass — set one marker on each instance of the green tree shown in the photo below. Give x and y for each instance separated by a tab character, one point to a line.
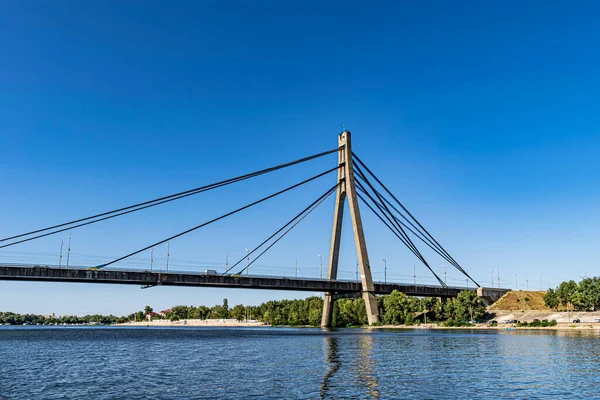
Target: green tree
448	309
314	317
468	307
399	309
566	293
181	312
238	312
551	299
200	312
221	312
588	294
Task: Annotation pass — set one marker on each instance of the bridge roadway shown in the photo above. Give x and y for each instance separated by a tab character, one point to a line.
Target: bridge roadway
147	278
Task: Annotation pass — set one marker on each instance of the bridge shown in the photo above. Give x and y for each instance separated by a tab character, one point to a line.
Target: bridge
355	181
36	273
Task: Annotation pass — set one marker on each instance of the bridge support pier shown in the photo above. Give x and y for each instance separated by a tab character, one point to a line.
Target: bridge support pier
347	189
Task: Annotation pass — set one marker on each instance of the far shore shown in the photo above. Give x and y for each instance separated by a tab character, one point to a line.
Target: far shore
196	322
238	324
499	327
564	319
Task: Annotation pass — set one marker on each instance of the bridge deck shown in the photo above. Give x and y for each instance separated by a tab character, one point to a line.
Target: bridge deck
147	278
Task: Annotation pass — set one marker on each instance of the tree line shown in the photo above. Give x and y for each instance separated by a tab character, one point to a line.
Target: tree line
11	318
570	295
394	309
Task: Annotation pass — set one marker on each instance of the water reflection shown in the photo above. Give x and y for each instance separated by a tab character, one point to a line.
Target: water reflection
366	366
332	357
361	375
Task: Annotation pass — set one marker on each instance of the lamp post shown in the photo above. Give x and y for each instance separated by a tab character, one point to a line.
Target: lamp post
247	262
296	267
517	281
151	258
168	254
227	261
60	256
498	277
68	250
414	275
320	266
384	270
445	283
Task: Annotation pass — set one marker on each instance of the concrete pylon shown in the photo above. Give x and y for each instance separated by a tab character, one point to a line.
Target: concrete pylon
347	190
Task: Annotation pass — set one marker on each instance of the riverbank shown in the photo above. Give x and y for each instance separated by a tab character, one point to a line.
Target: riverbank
499	327
586	317
238	324
197	322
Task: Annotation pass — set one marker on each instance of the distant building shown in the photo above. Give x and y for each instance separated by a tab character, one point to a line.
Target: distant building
163	313
152	314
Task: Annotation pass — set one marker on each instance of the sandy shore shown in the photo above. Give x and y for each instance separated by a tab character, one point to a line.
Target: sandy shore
196	322
233	324
586	317
500	327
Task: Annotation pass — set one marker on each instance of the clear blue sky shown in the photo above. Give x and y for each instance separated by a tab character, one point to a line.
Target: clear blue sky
481	116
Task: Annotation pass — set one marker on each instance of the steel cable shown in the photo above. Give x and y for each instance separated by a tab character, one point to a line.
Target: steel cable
165	199
220	217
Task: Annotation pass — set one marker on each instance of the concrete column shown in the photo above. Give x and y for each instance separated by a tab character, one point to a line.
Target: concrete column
348	187
336	236
359	236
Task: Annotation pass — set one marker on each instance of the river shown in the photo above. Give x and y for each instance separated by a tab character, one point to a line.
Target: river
287	363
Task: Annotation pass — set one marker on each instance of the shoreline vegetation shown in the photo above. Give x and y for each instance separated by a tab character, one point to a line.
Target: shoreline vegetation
397	310
428	326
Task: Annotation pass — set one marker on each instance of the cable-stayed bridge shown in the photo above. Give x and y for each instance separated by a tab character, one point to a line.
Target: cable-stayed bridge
355	182
146	278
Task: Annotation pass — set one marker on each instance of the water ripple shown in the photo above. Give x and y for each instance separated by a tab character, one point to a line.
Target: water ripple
216	363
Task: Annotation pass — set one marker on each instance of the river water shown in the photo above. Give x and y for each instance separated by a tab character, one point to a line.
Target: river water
282	363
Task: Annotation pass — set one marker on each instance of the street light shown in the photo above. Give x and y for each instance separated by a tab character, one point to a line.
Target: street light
60	257
517	281
247	262
498	270
414	275
68	250
444	274
384	270
151	258
168	254
320	266
296	267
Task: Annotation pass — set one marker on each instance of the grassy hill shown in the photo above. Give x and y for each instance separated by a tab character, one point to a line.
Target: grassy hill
520	300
